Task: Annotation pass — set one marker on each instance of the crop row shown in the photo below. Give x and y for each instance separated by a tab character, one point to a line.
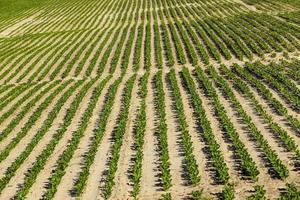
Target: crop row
16	92
162	132
266	94
289	85
139	135
247	162
25	109
41	160
157	42
97	138
279	167
259	193
193	37
118	138
40	133
32	120
192	166
278	131
214	147
292	98
68	153
138	48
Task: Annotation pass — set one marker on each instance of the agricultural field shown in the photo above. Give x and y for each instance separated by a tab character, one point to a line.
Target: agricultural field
150	99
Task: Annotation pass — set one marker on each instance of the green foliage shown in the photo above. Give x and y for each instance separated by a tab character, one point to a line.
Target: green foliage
214	147
139	136
162	132
119	134
198	195
246	160
41	160
291	194
228	192
166	196
259	193
192	166
97	138
9	8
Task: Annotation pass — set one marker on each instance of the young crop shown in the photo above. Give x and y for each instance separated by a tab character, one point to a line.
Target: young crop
198	45
162	132
217	42
291	145
138	48
261	31
65	41
97	138
166	196
38	136
259	193
247	162
201	51
228	192
167	45
43	157
265	92
67	154
10	127
127	51
192	166
139	136
236	38
94	59
253	33
58	59
48	64
147	51
212	50
15	92
157	44
247	36
281	78
33	118
193	58
90	44
292	98
66	63
119	134
6	76
214	147
117	53
276	31
178	46
271	155
59	43
198	195
292	193
231	44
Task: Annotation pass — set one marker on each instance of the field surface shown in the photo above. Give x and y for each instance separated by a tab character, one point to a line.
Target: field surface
150	99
